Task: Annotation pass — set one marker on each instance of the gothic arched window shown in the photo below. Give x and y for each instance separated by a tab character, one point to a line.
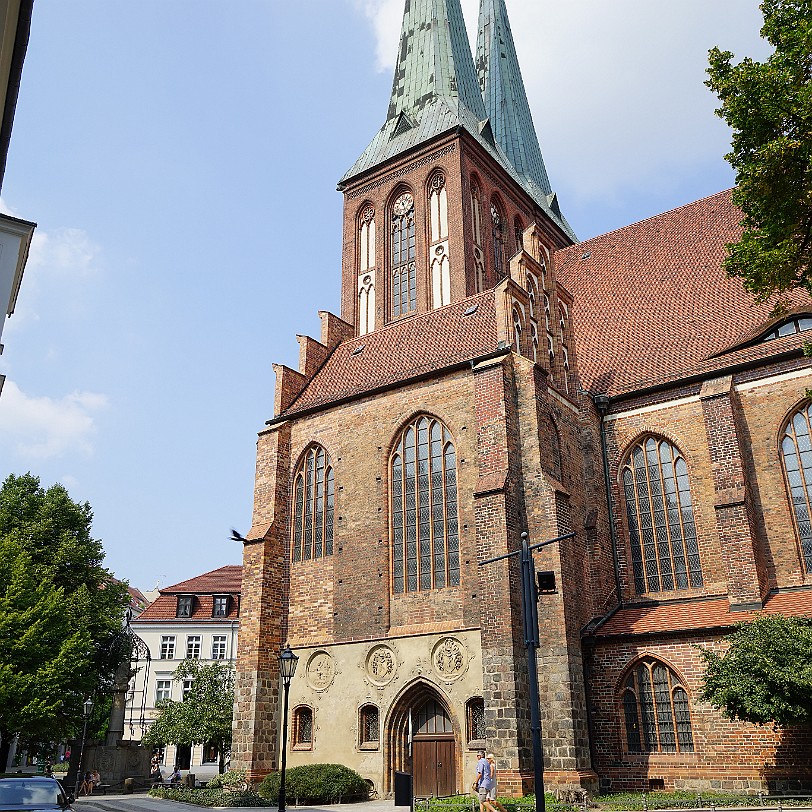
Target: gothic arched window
498	240
425	527
476	221
796	452
656	712
366	271
313	506
532	294
517	330
439	262
662	533
518	234
404	277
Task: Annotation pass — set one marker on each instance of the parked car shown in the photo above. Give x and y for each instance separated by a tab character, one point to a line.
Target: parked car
33	793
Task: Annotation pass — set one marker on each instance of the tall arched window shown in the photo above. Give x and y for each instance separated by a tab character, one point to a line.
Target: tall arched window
796	451
439	262
498	240
366	271
517	330
425	528
518	234
534	341
404	277
662	533
532	293
476	221
657	716
313	506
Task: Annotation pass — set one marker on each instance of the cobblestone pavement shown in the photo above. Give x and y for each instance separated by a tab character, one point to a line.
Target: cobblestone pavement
145	803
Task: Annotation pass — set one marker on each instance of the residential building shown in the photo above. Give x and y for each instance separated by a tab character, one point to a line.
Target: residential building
194	619
489	375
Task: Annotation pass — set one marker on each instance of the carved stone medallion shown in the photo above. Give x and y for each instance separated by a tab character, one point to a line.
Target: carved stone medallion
449	659
381	665
321	671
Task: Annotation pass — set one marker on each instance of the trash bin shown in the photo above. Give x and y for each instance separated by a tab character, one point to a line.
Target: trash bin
403	789
189	780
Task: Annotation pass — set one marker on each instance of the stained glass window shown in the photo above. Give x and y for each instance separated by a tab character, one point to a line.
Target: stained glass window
498	242
662	532
404	278
313	506
796	451
425	527
656	713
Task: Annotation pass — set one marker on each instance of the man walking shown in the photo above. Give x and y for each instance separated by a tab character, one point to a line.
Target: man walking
484	780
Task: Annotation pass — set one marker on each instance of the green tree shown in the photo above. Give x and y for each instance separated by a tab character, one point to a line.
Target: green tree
765	676
60	612
768	105
204	716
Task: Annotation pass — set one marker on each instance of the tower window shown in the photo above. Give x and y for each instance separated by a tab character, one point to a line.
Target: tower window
497	237
313	506
404	276
517	331
425	527
656	711
518	233
665	551
366	271
796	452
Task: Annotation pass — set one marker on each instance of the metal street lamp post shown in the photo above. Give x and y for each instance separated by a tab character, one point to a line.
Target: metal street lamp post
287	668
87	709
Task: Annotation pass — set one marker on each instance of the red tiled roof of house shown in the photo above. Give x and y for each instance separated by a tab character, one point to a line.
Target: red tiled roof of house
652	301
223	581
405	349
676	616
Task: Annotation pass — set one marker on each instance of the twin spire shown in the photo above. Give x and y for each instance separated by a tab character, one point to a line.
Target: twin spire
438	87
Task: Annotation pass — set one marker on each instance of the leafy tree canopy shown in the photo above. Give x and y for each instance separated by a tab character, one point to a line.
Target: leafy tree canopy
769	107
60	611
204	716
766	673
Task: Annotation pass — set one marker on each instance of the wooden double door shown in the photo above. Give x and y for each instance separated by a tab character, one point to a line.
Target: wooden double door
433	760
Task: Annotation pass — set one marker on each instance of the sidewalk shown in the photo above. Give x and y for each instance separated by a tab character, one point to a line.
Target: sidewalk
146	803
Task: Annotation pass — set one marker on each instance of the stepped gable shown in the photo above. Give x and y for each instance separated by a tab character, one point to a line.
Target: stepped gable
653	303
680	616
415	346
223	581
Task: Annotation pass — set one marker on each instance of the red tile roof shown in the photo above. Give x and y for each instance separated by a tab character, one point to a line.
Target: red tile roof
676	616
223	581
653	303
403	350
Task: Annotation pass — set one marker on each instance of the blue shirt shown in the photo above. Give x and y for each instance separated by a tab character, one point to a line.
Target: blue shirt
484	773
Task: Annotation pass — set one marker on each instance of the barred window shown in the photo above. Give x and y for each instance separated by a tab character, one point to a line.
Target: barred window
404	277
796	452
475	712
656	711
425	527
369	725
313	506
303	727
662	533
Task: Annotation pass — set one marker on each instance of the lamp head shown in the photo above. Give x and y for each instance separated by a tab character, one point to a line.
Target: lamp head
287	665
87	707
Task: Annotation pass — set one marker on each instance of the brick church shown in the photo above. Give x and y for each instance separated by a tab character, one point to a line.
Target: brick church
489	375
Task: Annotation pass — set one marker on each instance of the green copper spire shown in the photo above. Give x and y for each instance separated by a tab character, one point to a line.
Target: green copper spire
500	80
435	87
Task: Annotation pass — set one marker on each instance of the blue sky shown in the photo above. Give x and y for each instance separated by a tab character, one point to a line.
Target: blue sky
180	159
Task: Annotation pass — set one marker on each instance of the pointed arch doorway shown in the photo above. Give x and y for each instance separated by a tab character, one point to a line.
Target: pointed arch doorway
422	713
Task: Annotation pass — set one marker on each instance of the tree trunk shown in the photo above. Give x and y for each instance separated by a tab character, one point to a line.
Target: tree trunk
5	749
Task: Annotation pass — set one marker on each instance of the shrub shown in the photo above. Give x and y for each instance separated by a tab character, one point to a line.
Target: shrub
233	779
316	783
209	797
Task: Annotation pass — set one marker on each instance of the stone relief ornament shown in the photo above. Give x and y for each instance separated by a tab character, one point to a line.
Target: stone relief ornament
369	213
321	671
449	659
381	665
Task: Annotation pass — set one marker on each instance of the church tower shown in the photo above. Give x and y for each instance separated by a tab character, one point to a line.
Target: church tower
430	424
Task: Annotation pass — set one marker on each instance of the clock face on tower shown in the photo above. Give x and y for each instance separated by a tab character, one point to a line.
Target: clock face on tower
403	204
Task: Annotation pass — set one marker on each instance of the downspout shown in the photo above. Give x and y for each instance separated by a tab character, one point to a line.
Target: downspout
602	405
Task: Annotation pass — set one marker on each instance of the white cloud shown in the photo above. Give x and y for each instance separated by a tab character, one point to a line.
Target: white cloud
46	428
616	89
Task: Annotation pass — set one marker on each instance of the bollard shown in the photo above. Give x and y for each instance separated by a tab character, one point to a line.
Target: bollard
699	802
760	798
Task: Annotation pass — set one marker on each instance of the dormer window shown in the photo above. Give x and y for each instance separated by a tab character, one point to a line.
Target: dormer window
220	606
799	324
184	606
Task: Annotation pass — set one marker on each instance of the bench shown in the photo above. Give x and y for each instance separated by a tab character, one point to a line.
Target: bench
101	788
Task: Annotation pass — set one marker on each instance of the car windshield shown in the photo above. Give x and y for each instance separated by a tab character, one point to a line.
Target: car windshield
24	793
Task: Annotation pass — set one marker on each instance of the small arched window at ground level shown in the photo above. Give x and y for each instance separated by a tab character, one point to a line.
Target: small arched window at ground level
303	728
660	515
796	453
656	712
369	731
475	714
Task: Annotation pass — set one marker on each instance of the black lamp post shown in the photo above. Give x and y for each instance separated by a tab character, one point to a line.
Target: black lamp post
87	709
287	668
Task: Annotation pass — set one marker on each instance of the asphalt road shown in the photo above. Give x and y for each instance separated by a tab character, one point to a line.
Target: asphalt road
146	803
